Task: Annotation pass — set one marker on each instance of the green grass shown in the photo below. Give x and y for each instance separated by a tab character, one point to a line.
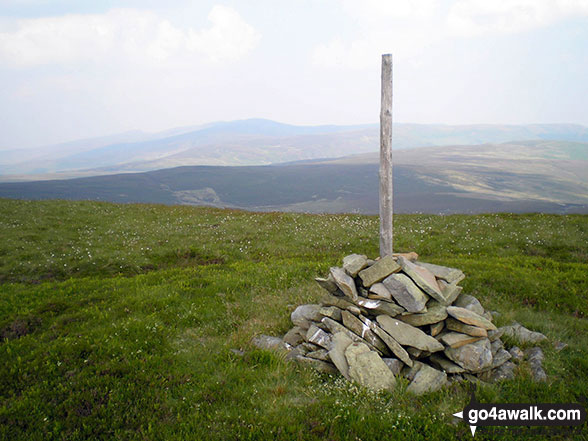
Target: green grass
118	320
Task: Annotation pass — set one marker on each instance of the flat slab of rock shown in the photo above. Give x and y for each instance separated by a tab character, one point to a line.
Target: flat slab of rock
495	335
380	292
394	364
425	379
436	313
305	314
339	344
445	364
335	327
379	271
408	335
393	345
501	357
470	318
424	278
319	365
457	339
436	328
406	293
344	282
354	263
450	275
380	306
470	302
358	327
450	291
523	334
331	311
457	326
295	336
367	368
320	354
319	337
473	357
328	283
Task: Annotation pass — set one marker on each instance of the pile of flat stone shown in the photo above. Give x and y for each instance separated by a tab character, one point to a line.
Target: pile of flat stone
397	316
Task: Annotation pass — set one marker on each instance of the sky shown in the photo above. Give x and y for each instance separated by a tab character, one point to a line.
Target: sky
72	69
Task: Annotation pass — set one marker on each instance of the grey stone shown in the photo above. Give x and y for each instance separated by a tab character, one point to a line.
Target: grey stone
470	318
424	278
268	342
445	364
328	283
367	368
394	364
321	354
238	352
473	357
353	310
319	337
339	344
424	379
522	334
516	353
436	313
457	339
379	271
354	263
406	293
335	327
358	327
344	282
305	314
380	307
495	335
392	344
534	354
450	291
503	372
379	291
457	326
496	345
501	357
443	272
331	311
436	328
339	302
319	365
295	336
414	352
470	302
535	357
408	335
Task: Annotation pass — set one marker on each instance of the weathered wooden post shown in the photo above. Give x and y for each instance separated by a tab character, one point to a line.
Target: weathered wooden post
386	233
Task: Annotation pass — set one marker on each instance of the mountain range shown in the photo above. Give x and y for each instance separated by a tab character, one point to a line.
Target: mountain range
251	142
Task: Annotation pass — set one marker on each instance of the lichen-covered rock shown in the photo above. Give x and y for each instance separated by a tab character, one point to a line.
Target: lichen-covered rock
367	368
473	357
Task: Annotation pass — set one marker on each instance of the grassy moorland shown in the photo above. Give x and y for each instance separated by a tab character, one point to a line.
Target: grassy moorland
117	321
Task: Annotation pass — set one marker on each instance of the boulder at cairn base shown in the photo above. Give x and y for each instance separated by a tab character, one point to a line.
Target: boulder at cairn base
344	282
522	334
408	335
354	263
367	368
424	379
339	344
406	293
473	357
470	318
379	271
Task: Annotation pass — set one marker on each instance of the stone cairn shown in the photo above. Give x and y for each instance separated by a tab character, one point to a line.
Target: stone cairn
397	316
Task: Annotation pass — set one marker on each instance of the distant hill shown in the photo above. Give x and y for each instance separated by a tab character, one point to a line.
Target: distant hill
530	176
252	142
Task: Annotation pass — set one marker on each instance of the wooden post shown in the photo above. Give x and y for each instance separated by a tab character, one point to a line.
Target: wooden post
386	234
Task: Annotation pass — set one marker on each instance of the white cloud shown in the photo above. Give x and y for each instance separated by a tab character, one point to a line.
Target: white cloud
479	17
125	34
404	28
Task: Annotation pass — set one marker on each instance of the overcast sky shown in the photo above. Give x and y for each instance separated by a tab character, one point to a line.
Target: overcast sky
71	69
